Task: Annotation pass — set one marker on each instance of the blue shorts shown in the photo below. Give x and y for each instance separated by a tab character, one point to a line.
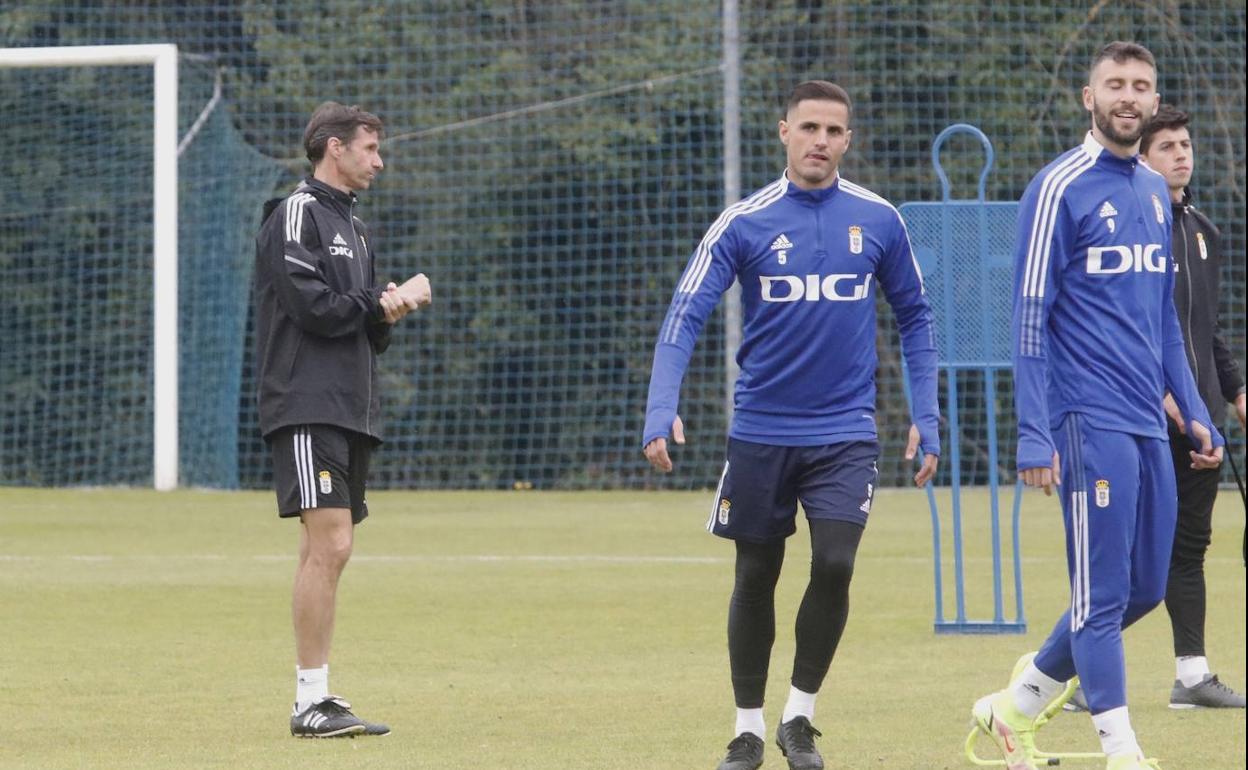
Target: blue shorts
762	484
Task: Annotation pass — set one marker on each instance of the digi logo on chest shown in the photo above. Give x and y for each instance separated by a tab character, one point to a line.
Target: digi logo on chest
838	287
339	247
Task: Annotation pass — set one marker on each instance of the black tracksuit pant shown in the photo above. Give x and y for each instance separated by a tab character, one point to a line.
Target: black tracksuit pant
1185	589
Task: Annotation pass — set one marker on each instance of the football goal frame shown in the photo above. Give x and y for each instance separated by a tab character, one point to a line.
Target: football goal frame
163	58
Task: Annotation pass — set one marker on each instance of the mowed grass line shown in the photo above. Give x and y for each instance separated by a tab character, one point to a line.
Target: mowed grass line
517	630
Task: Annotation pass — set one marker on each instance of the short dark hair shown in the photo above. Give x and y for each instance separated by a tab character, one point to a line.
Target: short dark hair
818	89
332	119
1168	117
1120	51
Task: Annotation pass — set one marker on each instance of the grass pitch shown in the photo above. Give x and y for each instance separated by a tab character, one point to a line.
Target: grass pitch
519	630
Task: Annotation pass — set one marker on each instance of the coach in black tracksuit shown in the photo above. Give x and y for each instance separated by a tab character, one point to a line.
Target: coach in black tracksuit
1167	148
321	319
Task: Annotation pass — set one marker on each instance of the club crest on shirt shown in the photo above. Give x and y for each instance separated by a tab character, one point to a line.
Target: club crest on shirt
725	505
327	485
855	239
1200	241
1158	210
1102	493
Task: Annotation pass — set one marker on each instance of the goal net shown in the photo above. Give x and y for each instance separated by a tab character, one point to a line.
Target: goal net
96	325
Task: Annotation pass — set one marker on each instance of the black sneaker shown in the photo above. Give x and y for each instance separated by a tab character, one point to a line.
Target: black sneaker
330	717
1208	693
745	752
375	728
796	739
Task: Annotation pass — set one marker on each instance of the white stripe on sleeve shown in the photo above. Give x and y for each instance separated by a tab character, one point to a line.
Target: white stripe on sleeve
294	215
299	262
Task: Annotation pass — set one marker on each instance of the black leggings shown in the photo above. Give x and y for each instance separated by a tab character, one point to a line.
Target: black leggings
820	620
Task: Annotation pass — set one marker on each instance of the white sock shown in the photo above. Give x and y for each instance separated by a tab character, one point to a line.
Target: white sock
1114	729
1191	669
311	684
800	704
1033	690
751	721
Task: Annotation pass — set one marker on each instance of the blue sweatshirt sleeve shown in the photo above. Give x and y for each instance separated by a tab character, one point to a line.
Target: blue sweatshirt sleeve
902	282
1043	246
711	270
1177	371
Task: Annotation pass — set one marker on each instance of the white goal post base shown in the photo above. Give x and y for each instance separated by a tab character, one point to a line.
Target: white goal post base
163	58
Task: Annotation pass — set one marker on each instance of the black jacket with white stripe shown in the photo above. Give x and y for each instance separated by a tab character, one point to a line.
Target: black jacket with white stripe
1197	291
319	323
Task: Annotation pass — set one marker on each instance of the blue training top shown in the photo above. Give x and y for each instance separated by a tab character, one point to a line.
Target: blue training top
808	263
1095	330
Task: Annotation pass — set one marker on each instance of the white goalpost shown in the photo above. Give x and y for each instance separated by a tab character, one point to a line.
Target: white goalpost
163	58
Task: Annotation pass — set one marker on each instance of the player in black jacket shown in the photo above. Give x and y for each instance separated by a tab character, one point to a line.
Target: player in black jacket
321	319
1167	147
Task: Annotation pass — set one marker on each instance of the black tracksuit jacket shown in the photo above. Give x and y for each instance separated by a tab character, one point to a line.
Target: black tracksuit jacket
1198	262
319	323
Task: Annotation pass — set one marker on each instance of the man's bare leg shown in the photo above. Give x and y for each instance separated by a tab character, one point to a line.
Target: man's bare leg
325	541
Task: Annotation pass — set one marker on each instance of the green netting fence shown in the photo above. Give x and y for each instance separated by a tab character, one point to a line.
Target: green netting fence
550	165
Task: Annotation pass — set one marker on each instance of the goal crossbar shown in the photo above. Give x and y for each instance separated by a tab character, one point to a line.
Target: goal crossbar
163	57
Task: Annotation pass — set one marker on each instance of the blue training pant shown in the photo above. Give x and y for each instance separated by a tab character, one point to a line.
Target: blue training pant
1119	505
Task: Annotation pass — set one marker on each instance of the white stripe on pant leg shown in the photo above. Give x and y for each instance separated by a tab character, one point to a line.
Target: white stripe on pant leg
1081	522
1079	527
1076	549
710	523
305	470
1074	562
1081	564
296	447
1081	591
1087	567
1083	508
311	467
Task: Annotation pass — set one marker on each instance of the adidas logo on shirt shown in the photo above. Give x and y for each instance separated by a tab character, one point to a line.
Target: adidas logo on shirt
1108	210
339	247
781	242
